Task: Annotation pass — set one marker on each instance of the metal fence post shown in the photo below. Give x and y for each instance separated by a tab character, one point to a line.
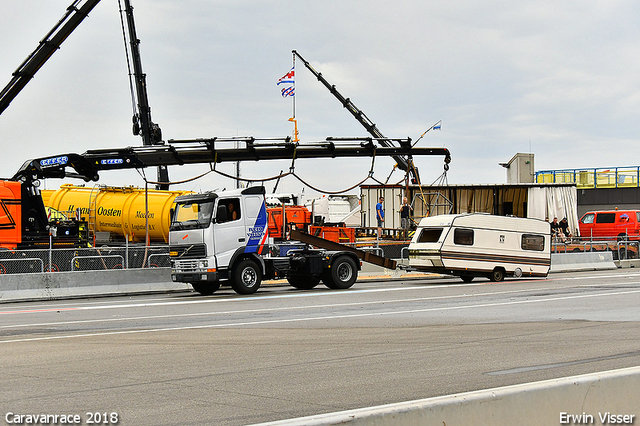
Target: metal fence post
49	269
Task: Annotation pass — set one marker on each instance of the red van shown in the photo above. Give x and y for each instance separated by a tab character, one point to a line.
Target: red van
611	224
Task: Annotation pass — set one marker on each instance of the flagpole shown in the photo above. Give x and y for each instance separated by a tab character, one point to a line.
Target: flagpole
294	87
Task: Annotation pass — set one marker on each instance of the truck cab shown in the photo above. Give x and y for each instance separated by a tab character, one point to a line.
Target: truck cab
217	237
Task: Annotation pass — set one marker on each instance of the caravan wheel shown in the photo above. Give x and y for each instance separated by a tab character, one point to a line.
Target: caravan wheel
467	278
497	275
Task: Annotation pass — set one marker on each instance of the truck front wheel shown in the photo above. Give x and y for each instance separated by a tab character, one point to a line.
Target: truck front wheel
246	277
342	274
206	288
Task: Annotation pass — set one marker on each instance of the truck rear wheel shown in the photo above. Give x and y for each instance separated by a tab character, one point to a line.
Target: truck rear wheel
246	277
206	288
342	274
303	283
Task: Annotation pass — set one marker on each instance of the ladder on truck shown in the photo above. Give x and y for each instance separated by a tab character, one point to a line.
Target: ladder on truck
91	217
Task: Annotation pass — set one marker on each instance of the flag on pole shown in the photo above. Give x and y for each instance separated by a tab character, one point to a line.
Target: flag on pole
289	79
438	125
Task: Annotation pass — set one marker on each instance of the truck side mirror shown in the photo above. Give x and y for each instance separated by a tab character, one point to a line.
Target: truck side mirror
221	214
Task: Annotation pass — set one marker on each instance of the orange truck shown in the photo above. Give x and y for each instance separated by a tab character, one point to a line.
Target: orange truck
299	218
24	222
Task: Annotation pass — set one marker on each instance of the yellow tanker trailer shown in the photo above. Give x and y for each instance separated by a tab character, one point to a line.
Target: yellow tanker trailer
117	210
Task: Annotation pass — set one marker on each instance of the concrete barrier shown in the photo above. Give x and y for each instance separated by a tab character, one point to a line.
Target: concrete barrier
59	285
589	261
549	402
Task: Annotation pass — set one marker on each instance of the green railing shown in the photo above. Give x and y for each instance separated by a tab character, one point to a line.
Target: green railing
617	177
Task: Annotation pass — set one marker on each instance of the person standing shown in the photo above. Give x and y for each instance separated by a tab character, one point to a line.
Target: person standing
380	215
405	212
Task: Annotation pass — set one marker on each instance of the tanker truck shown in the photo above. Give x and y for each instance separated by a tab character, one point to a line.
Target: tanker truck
116	214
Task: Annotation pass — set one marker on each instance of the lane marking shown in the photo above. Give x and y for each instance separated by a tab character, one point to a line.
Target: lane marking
13	326
287	308
95	304
299	295
292	320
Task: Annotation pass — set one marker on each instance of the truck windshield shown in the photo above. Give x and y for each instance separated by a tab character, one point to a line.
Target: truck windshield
192	215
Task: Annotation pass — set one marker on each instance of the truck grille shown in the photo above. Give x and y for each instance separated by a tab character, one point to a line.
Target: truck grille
188	251
185	266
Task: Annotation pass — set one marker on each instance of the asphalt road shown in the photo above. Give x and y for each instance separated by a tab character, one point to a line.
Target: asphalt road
185	359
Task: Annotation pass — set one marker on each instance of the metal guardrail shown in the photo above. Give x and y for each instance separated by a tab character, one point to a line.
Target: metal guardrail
402	253
613	177
31	259
82	259
158	264
102	258
622	249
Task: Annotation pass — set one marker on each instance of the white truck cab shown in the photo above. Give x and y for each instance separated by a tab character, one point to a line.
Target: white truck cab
217	238
210	231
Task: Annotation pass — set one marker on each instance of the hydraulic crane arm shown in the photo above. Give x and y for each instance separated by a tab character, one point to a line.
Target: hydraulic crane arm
404	162
51	42
197	151
75	14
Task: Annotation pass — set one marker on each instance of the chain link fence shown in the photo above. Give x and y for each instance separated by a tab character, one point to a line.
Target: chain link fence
83	259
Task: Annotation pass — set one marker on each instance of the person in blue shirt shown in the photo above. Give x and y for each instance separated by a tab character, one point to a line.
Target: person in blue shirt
380	215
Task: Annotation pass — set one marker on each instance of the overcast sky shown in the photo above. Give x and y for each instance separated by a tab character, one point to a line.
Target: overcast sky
559	79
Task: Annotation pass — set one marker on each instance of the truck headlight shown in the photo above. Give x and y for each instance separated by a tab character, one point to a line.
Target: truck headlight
204	264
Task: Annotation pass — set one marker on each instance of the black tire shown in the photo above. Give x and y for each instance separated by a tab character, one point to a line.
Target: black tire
497	275
342	274
206	288
326	279
622	253
246	277
467	278
303	283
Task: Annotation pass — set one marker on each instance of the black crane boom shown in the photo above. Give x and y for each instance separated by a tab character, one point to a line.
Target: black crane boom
405	163
197	151
51	42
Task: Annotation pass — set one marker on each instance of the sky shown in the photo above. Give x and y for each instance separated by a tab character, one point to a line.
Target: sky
558	79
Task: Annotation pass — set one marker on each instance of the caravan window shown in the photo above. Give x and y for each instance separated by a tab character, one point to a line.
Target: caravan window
430	235
532	242
463	237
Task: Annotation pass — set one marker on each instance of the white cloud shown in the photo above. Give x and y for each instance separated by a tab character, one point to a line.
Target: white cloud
560	79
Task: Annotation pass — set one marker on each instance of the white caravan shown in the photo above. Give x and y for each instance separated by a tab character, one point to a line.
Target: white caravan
481	245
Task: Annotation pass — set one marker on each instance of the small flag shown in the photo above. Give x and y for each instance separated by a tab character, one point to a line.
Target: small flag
288	78
438	126
288	91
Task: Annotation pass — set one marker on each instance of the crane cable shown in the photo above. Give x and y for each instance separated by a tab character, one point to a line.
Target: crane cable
126	54
281	175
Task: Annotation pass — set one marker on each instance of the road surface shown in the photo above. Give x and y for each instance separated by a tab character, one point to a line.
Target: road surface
185	359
